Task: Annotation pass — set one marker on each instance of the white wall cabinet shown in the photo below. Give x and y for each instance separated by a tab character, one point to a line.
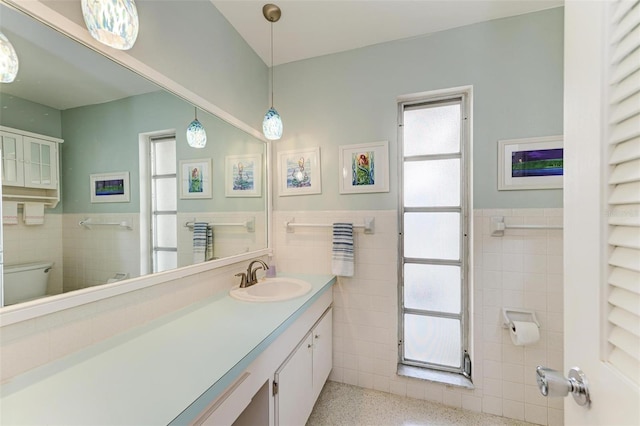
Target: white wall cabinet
40	163
301	377
30	167
12	159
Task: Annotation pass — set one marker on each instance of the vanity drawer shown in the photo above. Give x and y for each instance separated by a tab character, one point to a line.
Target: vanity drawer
226	408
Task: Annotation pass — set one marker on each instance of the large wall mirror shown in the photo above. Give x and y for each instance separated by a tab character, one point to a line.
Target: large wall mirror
116	123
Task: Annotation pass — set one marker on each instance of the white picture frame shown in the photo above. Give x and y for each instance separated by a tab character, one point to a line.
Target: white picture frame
299	172
243	175
109	187
364	168
195	178
530	163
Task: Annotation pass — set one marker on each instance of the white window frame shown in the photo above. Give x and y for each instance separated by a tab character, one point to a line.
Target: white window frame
155	231
464	94
146	205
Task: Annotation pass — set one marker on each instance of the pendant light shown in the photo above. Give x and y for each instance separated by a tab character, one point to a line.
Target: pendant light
196	135
8	60
112	22
272	123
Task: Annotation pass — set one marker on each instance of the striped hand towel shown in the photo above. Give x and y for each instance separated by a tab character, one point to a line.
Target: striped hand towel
199	241
33	213
209	252
9	213
342	253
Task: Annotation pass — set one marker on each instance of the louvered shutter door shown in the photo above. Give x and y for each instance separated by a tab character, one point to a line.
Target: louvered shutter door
624	191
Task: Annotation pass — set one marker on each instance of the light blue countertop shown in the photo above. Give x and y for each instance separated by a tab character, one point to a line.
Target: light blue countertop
151	375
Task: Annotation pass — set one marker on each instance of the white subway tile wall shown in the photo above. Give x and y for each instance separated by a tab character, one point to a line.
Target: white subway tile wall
523	269
92	256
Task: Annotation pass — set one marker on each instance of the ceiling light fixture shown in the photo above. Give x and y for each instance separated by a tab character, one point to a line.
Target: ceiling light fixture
8	60
196	135
112	22
272	123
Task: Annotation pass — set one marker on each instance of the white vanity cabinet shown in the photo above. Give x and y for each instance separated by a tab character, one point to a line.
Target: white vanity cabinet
29	166
299	381
282	384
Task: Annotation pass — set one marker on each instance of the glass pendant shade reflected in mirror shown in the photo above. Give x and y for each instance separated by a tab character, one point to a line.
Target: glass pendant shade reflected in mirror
8	60
112	22
196	135
272	123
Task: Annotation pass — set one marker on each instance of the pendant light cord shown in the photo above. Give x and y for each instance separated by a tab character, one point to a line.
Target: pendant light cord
272	64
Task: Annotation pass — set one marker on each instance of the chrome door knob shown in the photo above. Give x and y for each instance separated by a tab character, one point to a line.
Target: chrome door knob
553	383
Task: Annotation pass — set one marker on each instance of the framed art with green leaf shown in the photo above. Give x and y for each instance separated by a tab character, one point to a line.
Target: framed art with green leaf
364	167
195	178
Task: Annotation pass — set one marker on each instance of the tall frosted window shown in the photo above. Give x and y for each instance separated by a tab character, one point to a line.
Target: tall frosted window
164	207
434	140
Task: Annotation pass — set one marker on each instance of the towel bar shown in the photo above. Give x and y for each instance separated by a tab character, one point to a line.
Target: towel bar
498	226
369	225
87	223
249	224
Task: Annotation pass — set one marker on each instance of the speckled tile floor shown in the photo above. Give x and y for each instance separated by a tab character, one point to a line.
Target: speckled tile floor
340	404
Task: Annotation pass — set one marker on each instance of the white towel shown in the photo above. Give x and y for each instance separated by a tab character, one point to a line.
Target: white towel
33	213
10	213
199	241
342	253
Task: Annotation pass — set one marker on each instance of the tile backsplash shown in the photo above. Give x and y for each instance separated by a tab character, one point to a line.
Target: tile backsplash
522	269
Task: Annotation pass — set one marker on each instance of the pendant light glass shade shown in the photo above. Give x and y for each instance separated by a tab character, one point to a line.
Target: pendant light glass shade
8	60
112	22
196	135
272	125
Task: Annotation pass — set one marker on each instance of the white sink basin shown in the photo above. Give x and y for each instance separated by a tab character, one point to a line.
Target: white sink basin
272	290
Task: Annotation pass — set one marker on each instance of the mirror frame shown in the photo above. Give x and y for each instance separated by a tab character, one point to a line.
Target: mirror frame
54	303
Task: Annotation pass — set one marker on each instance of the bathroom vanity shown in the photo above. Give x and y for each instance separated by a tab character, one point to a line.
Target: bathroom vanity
219	361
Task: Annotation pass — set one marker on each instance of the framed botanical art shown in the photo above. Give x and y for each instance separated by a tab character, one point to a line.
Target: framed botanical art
299	172
243	175
532	163
364	167
195	178
109	187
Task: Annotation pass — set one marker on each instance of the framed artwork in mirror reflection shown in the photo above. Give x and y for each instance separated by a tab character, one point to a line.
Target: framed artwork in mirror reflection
299	172
364	167
109	187
195	178
243	175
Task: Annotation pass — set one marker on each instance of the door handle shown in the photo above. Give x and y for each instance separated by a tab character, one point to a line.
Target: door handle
553	383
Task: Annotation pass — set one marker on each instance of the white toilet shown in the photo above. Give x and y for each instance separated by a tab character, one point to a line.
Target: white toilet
25	281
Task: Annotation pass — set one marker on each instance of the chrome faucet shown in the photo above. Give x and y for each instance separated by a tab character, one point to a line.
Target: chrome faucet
249	278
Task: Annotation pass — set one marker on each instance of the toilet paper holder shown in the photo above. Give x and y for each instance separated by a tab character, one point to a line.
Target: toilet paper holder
510	315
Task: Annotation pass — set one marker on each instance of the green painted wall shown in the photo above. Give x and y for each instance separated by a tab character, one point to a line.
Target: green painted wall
26	115
190	42
104	138
514	64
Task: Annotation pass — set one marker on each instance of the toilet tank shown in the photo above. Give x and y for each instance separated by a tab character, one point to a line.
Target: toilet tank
26	281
